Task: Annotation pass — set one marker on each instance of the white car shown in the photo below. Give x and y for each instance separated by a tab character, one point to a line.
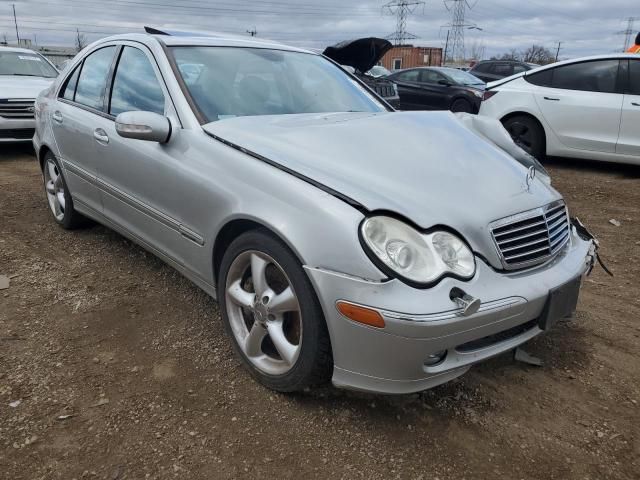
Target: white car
23	75
586	108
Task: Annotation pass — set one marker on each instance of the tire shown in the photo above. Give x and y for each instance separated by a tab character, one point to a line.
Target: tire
283	343
58	195
528	134
461	105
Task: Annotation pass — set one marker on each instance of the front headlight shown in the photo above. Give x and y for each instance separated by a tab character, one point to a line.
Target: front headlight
415	257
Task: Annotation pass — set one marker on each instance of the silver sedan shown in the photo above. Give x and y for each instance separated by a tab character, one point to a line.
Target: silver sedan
385	251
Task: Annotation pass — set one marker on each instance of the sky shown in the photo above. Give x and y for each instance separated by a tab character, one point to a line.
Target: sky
584	27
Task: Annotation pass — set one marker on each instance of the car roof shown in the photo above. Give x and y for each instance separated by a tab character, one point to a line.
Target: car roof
205	40
16	49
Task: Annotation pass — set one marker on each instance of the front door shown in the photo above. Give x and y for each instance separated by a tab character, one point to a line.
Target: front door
629	140
583	104
145	190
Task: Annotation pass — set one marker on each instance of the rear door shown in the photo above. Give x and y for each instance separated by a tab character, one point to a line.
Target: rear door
582	103
409	89
78	109
629	139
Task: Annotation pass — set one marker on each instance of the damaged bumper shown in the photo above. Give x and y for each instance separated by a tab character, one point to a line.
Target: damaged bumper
421	325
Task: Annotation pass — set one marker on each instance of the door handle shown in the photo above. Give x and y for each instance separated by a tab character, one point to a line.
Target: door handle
635	104
101	136
552	99
57	117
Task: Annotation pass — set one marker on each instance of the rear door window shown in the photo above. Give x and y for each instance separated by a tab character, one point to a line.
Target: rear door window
93	78
69	90
502	69
596	76
409	76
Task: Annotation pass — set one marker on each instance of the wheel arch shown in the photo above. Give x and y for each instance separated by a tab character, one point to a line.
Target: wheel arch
42	153
231	230
521	113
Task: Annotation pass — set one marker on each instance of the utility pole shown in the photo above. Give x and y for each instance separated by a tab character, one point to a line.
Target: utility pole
446	49
628	32
458	10
401	9
253	32
558	50
15	20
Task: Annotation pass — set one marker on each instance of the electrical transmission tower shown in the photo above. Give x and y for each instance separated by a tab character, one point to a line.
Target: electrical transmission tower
628	32
458	8
401	9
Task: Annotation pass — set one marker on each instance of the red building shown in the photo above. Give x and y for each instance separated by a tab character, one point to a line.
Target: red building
408	56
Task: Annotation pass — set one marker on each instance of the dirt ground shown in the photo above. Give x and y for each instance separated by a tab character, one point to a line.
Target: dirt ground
114	366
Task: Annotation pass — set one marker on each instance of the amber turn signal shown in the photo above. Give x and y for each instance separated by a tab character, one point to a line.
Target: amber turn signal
361	314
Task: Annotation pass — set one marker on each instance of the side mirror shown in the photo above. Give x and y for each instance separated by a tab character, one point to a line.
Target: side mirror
446	83
144	126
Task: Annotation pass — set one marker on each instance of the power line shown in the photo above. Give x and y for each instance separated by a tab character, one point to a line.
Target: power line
401	9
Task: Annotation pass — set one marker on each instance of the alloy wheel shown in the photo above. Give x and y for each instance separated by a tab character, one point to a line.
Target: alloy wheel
264	313
55	189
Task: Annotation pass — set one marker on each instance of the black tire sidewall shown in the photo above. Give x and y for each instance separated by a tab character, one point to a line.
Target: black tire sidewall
314	364
538	143
468	108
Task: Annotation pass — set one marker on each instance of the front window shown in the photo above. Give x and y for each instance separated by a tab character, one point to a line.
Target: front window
227	82
25	64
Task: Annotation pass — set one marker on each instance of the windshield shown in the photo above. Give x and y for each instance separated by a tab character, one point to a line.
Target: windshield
227	82
463	78
25	64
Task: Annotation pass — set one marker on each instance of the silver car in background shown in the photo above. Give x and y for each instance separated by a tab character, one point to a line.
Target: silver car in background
386	251
23	75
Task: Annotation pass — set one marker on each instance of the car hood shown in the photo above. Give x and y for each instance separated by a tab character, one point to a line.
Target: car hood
12	86
361	54
425	166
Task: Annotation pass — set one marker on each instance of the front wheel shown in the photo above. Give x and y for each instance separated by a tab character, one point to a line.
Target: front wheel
58	196
527	134
271	312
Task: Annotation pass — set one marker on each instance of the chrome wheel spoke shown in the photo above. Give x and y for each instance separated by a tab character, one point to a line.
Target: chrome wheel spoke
286	350
239	296
253	340
52	171
285	301
60	199
51	189
259	274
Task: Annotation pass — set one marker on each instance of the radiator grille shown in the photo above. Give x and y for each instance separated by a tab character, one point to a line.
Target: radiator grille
16	108
533	237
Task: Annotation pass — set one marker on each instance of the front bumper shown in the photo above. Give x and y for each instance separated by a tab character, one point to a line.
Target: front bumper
16	130
423	322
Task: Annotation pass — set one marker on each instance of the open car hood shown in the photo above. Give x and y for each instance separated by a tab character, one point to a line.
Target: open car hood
361	54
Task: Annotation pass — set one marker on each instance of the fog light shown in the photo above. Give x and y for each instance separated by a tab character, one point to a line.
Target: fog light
435	358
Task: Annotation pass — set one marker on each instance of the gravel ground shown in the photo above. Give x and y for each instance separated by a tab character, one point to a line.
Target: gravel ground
114	366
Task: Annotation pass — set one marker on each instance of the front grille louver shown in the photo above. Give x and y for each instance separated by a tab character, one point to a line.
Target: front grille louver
16	108
532	237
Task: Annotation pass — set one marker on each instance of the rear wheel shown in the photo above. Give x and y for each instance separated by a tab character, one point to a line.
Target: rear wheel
461	105
527	133
271	312
58	196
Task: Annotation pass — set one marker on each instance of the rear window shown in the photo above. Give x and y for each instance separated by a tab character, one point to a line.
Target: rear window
542	79
599	76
